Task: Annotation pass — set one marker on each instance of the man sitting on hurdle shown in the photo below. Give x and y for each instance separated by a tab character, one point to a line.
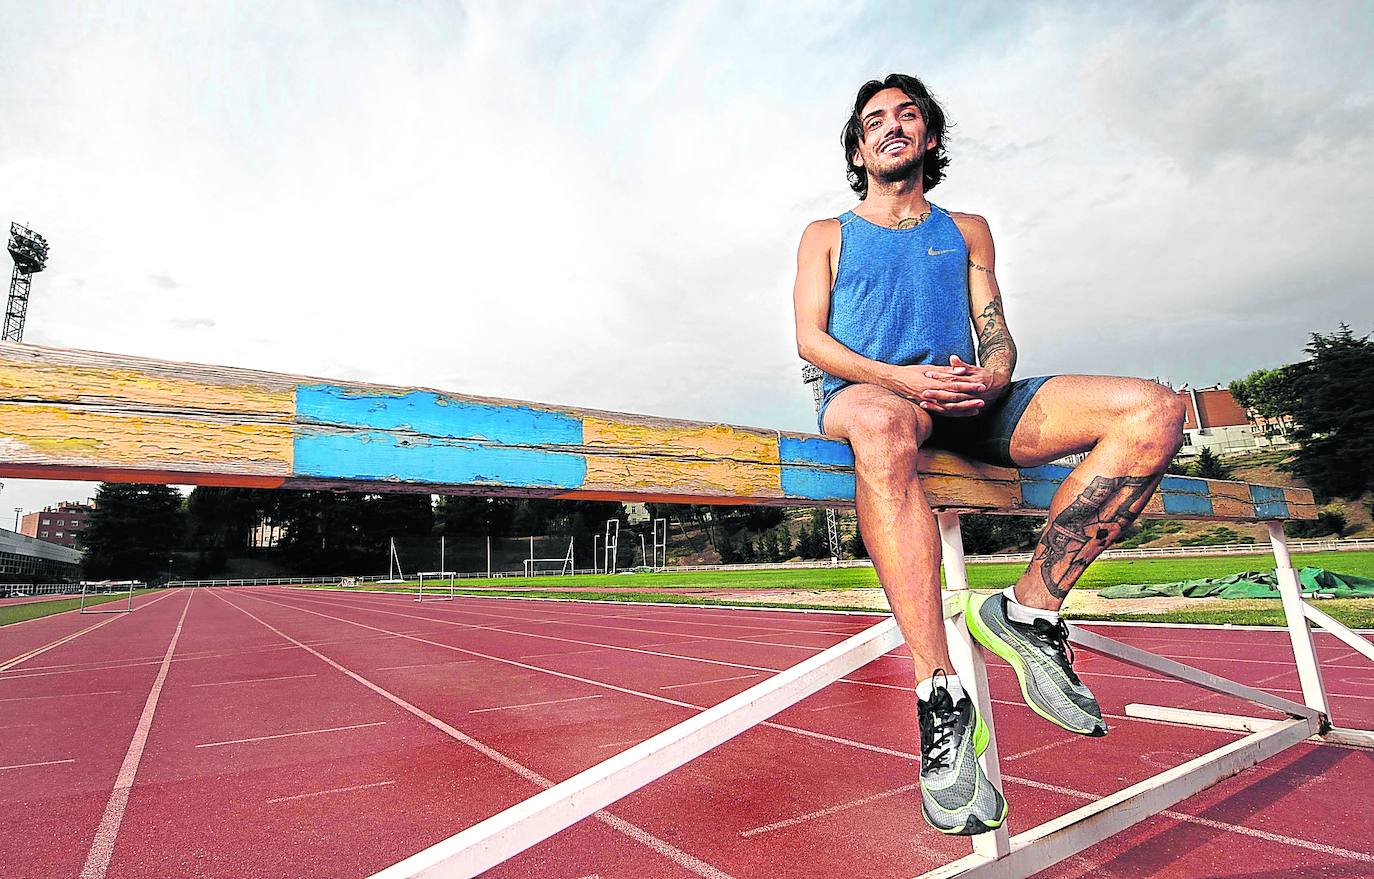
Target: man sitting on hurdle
884	297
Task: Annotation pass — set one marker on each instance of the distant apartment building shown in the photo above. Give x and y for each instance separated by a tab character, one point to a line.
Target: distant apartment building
1216	421
62	524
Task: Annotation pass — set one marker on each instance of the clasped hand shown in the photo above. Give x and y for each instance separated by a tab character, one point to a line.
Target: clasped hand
958	390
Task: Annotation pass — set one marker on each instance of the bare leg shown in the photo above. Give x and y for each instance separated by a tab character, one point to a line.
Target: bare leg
885	431
1133	429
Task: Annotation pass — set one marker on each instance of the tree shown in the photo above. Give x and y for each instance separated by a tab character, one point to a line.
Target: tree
988	534
856	545
1209	466
1330	398
132	532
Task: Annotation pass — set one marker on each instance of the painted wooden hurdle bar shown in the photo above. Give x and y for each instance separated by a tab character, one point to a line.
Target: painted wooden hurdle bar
68	414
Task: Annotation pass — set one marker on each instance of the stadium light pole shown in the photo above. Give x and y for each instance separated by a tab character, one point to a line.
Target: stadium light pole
30	253
17	511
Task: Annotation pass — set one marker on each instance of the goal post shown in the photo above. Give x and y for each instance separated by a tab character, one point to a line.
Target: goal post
564	562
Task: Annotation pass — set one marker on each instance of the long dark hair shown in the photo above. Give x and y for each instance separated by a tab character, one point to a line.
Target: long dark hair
933	169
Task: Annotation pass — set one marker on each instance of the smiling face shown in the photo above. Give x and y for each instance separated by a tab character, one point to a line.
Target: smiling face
894	139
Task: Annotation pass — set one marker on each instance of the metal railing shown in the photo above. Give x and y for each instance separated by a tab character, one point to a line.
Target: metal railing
1319	545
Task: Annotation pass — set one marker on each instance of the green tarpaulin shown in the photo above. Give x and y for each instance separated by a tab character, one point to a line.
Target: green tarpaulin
1251	584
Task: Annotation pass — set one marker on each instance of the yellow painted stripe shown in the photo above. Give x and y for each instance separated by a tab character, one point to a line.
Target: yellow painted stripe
714	458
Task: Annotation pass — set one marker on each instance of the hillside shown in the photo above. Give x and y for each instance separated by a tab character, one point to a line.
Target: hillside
1264	468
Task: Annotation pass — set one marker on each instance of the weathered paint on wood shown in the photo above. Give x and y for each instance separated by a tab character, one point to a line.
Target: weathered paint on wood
67	414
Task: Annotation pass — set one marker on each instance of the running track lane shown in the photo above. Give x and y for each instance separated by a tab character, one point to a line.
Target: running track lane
67	737
1092	786
288	765
716	638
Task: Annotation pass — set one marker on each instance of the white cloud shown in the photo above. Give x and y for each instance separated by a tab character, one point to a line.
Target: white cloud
599	205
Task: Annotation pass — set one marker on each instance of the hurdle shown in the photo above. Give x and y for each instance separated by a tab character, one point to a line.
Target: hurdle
436	594
69	414
95	588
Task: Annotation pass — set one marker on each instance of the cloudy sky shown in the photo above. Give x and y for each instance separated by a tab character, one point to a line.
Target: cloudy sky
598	204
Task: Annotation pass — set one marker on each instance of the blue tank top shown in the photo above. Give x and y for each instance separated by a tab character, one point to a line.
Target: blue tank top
900	295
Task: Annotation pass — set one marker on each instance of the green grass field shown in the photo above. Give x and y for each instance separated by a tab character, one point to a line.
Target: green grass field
686	587
1108	572
18	613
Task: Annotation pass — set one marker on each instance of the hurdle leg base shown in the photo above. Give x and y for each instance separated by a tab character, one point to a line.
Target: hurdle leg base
1359	738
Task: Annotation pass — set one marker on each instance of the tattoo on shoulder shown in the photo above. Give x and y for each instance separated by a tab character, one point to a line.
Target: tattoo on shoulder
973	265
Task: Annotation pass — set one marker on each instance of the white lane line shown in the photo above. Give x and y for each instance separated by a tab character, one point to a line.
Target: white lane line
557	653
102	847
424	664
838	705
1299	843
11	663
60	696
703	683
664	848
287	735
44	763
1057	743
618	744
333	790
252	680
821	813
900	655
534	704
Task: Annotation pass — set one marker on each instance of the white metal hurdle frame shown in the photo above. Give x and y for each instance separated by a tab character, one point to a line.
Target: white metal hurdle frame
110	606
436	594
996	854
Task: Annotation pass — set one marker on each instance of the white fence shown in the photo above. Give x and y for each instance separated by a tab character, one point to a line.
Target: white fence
1323	545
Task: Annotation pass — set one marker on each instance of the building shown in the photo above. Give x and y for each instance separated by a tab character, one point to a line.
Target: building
1216	421
26	560
61	524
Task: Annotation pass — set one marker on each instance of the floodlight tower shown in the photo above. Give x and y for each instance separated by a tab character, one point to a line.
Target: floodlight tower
812	376
30	252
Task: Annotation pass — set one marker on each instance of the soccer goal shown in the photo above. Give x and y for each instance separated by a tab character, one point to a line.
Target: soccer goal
535	567
437	590
108	587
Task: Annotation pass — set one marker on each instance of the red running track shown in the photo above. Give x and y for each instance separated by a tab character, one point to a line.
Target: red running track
280	732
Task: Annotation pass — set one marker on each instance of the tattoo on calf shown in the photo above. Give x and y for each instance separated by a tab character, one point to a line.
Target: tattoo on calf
1089	524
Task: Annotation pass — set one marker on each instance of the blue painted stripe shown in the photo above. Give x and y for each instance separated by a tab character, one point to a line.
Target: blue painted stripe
1270	502
1185	485
815	450
375	456
816	484
433	415
1186	504
1038	484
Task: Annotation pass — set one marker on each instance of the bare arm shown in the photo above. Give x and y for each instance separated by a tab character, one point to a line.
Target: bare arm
996	350
811	302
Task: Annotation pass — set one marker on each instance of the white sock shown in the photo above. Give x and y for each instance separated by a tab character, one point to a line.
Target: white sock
1020	613
925	687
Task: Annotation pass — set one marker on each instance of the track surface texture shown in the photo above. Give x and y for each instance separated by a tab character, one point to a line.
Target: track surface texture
277	732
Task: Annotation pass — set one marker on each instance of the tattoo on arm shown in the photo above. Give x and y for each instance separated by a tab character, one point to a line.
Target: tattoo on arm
1090	523
973	265
995	347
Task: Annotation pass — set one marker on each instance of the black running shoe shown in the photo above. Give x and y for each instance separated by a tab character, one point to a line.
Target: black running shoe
956	797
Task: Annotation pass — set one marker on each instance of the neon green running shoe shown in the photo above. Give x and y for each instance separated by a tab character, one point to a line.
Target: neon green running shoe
956	797
1043	661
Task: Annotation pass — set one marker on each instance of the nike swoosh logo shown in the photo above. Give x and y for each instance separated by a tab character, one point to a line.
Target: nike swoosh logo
933	252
